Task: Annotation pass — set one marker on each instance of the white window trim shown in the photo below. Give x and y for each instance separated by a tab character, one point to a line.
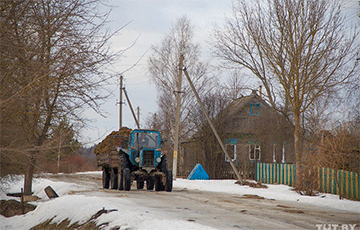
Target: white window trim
235	153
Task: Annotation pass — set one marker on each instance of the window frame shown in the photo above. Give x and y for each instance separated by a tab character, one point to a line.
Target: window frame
254	107
235	153
254	150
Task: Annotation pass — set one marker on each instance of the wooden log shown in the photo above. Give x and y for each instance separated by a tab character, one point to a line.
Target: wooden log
50	192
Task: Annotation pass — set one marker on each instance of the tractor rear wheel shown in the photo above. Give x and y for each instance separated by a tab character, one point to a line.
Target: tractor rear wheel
106	177
127	179
163	164
169	181
124	161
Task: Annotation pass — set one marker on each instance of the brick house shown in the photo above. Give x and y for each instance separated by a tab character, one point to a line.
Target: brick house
252	131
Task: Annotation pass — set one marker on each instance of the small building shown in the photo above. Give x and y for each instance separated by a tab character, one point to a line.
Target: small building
252	131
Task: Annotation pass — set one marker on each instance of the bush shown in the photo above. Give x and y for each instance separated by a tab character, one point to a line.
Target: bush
70	164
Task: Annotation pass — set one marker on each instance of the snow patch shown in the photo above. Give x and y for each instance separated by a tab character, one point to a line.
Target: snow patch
80	208
277	192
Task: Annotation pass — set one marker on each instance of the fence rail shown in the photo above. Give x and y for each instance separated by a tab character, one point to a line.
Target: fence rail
327	180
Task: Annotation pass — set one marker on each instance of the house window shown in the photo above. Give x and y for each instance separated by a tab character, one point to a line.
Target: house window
231	149
283	153
254	152
274	152
254	109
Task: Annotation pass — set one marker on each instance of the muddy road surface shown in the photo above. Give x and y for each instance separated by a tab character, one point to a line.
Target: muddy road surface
219	210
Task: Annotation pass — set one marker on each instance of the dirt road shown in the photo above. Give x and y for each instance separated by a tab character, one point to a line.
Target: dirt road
219	210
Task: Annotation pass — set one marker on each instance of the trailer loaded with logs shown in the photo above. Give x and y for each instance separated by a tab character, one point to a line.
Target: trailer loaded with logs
133	155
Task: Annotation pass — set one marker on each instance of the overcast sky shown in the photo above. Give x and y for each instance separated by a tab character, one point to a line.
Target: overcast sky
150	21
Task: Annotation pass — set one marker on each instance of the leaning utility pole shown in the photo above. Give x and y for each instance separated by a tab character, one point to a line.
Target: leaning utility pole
131	109
213	128
177	118
120	102
138	114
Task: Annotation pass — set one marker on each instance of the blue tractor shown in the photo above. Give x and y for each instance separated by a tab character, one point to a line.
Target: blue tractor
142	161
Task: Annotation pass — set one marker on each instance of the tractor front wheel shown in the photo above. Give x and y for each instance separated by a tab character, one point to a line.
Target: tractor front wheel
140	184
159	186
150	183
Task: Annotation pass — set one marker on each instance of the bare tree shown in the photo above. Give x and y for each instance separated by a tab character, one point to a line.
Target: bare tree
340	147
164	68
53	59
337	149
235	85
212	156
298	49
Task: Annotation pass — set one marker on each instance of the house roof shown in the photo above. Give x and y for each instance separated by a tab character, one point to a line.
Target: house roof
263	120
236	106
243	102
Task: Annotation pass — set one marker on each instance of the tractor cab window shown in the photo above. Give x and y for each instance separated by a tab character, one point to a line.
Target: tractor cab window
146	140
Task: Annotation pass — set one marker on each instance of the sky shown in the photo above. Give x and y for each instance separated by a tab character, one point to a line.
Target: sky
149	21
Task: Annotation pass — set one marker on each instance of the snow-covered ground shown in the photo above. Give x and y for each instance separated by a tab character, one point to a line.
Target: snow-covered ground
277	192
76	207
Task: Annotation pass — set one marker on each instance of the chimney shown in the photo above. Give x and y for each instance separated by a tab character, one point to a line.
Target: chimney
260	91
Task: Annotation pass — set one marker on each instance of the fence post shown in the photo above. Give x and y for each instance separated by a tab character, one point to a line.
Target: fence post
357	186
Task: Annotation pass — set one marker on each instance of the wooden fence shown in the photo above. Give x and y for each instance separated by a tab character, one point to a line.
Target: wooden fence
275	173
327	180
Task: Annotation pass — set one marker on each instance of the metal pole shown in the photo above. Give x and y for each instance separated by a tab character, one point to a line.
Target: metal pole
177	118
131	109
120	102
138	114
213	128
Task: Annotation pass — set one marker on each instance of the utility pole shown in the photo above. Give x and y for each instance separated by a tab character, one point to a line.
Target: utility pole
213	129
120	103
177	118
138	115
131	109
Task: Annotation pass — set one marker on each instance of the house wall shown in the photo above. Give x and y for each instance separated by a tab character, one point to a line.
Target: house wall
245	126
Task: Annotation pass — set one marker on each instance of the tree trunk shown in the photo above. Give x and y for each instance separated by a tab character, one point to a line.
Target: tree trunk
29	173
34	153
340	191
298	152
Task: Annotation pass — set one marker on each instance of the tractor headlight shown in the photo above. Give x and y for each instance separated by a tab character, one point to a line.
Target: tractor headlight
137	159
158	160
